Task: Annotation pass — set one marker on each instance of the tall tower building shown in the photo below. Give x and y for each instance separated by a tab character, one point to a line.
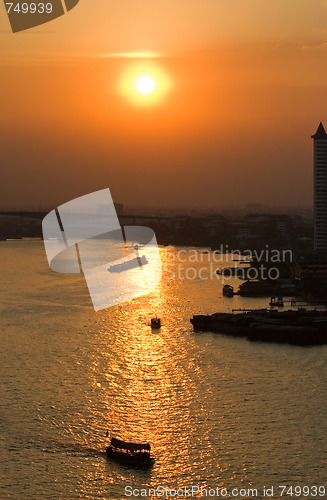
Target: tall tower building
320	188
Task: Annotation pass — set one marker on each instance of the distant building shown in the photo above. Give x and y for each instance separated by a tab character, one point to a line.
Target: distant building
278	225
311	266
320	188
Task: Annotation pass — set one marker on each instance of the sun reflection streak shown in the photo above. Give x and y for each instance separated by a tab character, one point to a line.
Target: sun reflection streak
148	390
150	383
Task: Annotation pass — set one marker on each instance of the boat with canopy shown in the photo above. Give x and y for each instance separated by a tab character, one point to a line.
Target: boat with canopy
132	453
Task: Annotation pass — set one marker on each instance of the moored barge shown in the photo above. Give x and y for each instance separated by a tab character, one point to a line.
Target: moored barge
300	327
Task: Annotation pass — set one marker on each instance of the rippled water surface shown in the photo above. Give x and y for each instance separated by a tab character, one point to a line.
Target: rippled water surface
218	411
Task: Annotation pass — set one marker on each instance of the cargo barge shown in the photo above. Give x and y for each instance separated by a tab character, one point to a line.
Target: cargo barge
300	327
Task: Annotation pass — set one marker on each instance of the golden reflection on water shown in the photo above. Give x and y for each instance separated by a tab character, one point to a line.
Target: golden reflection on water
212	407
147	404
153	389
148	382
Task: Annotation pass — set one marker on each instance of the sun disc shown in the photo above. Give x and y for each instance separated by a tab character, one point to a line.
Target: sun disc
145	84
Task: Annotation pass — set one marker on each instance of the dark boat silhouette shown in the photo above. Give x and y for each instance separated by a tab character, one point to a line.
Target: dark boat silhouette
155	323
276	301
228	291
138	454
128	264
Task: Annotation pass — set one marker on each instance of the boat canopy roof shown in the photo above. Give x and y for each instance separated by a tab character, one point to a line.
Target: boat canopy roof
117	443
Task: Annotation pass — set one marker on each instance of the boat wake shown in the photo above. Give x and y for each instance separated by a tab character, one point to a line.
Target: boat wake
73	449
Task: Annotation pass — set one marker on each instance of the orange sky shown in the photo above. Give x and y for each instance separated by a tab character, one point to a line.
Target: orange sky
248	89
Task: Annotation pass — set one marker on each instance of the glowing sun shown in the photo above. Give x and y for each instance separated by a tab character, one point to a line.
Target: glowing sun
145	84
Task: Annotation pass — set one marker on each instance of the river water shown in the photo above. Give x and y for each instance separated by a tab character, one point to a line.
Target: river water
219	412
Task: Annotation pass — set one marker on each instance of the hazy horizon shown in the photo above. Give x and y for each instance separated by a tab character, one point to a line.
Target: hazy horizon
181	210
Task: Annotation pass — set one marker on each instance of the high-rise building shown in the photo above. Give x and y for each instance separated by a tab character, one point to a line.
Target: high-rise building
320	188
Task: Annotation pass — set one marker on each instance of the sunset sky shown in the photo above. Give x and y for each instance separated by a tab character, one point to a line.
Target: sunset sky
240	87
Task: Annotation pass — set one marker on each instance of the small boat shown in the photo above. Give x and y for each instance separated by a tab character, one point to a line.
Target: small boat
276	302
155	323
128	264
228	291
130	453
